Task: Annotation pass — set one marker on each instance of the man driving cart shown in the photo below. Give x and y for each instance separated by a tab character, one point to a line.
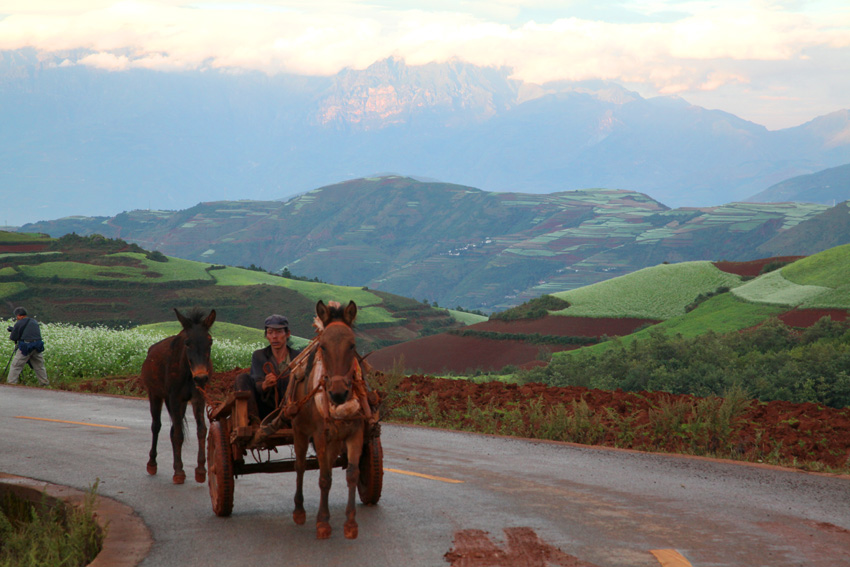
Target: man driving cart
266	380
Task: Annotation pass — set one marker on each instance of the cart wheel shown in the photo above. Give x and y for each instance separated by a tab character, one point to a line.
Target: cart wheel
221	470
371	472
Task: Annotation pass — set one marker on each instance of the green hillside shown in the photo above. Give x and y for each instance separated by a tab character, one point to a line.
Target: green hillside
818	281
663	292
98	281
732	340
660	292
451	244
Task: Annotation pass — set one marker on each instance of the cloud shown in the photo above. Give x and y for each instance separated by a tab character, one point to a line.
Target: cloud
666	46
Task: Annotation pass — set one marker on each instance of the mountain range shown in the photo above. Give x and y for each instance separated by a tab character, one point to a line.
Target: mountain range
84	141
457	245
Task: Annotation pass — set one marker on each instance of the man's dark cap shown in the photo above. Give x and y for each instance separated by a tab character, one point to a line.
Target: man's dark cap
277	322
20	311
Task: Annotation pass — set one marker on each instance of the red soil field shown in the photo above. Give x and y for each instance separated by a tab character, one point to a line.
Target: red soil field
808	317
443	353
752	267
807	432
21	248
460	354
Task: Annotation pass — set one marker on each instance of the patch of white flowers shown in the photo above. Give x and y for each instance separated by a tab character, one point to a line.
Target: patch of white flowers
76	353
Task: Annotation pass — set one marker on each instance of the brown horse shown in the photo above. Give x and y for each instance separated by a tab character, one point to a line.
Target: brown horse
333	419
172	373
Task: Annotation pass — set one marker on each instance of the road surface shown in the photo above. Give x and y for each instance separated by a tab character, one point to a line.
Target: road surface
448	499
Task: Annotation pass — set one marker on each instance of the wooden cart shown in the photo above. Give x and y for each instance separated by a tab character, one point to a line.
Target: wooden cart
232	438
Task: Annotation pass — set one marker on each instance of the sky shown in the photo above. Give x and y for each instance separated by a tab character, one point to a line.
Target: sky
777	63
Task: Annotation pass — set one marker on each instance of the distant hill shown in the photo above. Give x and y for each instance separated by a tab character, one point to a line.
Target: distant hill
819	232
826	187
98	281
93	142
450	244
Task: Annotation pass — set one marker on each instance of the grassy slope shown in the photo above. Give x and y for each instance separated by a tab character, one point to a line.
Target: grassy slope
466	318
721	314
128	288
226	331
816	281
828	268
820	280
660	292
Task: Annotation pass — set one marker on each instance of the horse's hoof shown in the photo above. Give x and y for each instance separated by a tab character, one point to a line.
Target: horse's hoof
350	530
151	469
179	478
323	530
200	476
299	517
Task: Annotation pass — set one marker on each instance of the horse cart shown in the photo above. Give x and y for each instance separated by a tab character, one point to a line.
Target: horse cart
328	404
232	438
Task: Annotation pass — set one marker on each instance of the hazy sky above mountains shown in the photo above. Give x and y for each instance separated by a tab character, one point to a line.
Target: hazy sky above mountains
776	62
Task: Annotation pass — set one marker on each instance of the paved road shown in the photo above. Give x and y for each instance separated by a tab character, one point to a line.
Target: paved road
484	501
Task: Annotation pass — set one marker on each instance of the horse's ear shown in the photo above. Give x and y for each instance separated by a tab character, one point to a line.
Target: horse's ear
350	313
208	322
183	321
322	311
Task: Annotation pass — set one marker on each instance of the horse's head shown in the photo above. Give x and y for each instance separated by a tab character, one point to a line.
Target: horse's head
337	347
197	343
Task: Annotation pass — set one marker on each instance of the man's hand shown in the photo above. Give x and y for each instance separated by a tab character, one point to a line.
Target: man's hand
270	381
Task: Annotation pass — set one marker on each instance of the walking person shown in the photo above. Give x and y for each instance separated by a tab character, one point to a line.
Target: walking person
28	348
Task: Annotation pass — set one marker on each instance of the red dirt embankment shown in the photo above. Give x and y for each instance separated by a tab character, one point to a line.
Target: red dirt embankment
775	431
802	432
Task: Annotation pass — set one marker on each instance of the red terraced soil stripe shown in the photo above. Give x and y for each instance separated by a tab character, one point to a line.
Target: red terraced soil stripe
808	317
438	354
752	267
11	248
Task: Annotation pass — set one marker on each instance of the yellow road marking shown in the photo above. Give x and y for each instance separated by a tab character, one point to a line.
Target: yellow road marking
428	476
670	558
71	422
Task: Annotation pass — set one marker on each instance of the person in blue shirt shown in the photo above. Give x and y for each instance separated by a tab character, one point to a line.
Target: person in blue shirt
28	348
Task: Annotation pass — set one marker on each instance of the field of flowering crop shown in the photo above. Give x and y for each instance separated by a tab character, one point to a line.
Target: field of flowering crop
659	292
74	353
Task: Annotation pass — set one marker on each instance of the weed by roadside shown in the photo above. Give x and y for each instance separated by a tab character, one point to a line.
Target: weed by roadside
41	535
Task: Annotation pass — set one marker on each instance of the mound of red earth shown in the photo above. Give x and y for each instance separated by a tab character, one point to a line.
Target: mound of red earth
520	343
778	431
752	267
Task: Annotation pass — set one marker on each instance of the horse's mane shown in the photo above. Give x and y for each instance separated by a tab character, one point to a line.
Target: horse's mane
336	311
196	315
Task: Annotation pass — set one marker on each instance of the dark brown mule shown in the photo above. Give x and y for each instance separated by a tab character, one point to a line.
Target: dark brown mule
333	418
172	372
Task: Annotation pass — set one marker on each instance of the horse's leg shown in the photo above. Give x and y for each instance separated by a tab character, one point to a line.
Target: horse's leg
300	442
354	446
198	405
156	425
177	410
323	527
